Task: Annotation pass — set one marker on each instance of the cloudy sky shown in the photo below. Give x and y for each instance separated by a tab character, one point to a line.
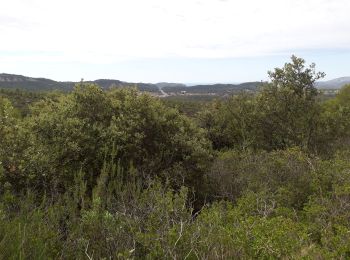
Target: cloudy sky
171	40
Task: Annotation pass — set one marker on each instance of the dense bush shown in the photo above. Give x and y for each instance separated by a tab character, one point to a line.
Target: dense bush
286	175
125	219
78	130
120	174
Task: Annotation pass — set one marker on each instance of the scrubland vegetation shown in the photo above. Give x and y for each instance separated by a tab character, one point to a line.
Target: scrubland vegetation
118	174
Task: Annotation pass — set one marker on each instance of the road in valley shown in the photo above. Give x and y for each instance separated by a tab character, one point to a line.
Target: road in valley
163	93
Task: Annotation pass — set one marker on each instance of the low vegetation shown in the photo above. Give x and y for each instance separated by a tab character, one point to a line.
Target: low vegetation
118	174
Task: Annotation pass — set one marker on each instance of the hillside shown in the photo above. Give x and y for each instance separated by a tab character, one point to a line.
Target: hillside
218	89
11	81
92	174
334	83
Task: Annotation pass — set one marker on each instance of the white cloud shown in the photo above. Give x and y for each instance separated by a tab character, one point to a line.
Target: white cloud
114	30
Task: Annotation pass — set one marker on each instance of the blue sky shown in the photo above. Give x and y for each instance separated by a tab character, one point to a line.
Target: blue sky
191	41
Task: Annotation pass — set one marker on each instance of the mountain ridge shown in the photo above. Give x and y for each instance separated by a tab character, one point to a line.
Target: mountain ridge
336	83
13	81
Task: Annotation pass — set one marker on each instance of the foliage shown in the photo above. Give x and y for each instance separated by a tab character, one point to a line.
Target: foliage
119	174
21	99
10	144
76	131
232	123
284	113
284	175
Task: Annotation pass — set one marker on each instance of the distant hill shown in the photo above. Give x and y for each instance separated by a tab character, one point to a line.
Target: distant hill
334	83
108	83
215	88
11	81
170	85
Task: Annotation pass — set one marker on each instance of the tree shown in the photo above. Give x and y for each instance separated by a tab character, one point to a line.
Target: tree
296	77
81	130
232	124
11	145
157	139
283	114
288	107
334	126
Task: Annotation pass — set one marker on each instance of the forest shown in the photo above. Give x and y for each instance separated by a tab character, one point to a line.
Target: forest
120	174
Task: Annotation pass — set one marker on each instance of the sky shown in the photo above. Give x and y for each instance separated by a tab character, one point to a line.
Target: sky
189	41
